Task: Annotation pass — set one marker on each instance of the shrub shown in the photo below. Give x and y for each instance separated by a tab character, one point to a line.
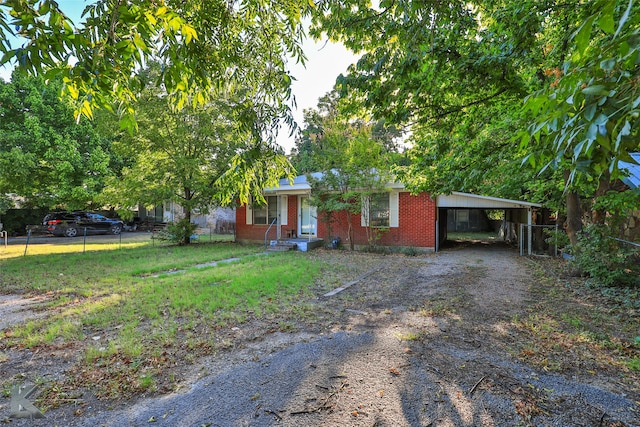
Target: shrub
606	260
179	232
559	238
410	251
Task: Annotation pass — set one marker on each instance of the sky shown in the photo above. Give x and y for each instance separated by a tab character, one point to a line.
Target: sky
325	62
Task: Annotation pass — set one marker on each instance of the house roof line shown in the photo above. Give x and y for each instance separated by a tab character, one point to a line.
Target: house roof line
301	184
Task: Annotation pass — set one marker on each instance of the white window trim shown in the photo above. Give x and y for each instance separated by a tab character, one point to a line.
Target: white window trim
284	210
364	215
394	210
282	213
249	211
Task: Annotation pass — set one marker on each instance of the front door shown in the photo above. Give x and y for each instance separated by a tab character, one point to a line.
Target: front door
308	218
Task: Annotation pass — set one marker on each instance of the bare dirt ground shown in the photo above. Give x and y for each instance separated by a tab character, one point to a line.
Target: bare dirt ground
449	339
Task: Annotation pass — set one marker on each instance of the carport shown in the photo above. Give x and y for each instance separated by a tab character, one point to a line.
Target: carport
515	212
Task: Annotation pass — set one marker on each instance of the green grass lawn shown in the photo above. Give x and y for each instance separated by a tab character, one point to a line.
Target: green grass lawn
46	245
148	303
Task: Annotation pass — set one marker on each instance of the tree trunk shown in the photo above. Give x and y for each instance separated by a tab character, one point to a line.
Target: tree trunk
187	218
188	195
350	230
573	224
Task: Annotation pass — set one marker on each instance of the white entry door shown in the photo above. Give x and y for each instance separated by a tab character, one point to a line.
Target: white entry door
307	218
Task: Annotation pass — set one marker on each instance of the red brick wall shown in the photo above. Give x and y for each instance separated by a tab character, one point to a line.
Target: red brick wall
255	232
417	224
246	231
292	216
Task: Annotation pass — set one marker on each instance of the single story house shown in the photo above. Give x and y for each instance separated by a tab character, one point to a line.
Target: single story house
404	220
217	219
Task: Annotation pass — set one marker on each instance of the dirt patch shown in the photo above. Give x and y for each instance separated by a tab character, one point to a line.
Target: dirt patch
451	339
16	309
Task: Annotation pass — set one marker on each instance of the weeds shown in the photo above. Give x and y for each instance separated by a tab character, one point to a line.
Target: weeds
565	325
409	336
633	364
132	325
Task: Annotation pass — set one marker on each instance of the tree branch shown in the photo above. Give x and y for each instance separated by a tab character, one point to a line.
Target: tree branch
459	108
351	22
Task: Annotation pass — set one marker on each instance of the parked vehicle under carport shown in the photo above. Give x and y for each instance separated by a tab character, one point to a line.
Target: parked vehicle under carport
71	224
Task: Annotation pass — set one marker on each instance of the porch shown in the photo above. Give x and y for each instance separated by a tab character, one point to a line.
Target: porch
301	244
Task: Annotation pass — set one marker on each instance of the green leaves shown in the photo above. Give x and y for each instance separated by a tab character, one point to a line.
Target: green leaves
200	44
599	126
596	90
198	156
45	157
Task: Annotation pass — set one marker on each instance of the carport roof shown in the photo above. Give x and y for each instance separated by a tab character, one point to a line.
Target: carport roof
474	201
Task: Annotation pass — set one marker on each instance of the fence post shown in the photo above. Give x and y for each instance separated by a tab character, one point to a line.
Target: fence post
521	239
27	244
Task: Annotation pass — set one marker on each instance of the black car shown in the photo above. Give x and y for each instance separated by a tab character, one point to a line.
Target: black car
71	224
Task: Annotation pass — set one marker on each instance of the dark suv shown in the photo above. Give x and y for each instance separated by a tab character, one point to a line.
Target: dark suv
71	224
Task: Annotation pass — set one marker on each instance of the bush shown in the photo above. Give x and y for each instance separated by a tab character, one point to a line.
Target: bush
556	238
179	232
410	251
607	261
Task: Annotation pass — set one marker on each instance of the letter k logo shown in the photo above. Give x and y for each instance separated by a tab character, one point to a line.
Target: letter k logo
20	406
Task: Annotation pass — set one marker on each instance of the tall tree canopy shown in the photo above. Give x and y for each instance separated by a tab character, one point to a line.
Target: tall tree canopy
199	43
588	117
313	152
45	157
454	74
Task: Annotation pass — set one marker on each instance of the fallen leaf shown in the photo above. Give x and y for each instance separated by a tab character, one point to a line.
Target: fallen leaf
354	413
394	371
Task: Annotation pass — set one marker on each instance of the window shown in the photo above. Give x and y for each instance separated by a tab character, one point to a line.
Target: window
379	212
265	214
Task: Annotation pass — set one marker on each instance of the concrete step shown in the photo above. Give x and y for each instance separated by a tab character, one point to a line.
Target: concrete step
282	246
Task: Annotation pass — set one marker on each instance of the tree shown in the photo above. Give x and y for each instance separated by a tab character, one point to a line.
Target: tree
307	154
454	75
199	43
587	119
352	162
45	157
184	156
